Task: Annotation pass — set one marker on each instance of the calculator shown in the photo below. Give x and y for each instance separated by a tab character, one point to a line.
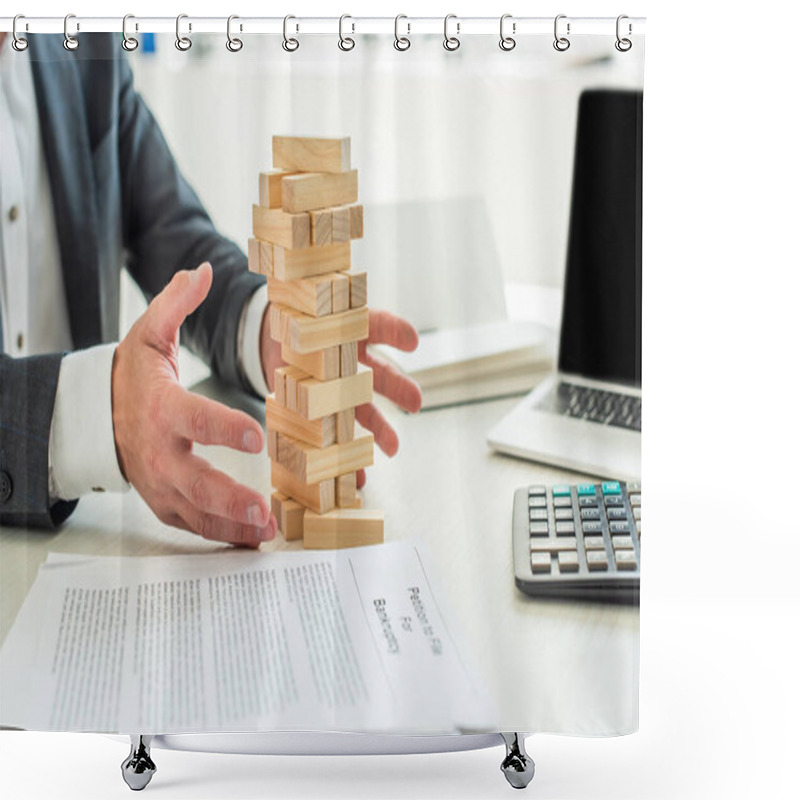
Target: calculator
580	541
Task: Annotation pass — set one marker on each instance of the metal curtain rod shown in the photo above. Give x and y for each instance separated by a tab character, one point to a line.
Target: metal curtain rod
461	26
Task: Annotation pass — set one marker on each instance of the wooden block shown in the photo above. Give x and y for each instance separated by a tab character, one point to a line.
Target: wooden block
348	359
292	264
340	292
344	527
269	187
356	222
278	227
265	257
272	444
311	154
285	384
316	432
319	497
311	190
314	464
358	288
308	295
321	226
279	386
317	399
306	334
253	263
340	224
345	425
321	364
289	514
346	496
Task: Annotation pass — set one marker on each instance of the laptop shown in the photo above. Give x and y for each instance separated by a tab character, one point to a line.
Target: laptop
587	416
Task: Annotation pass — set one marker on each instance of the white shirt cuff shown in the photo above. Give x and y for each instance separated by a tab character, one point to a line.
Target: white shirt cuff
249	340
82	455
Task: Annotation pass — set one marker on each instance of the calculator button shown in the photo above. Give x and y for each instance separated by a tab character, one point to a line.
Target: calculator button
565	528
639	526
619	527
562	502
537	490
539	529
614	500
564	513
594	543
637	512
540	562
553	545
561	491
586	501
616	513
586	489
636	499
537	502
612	487
590	513
596	560
568	561
622	543
634	487
537	513
625	559
592	526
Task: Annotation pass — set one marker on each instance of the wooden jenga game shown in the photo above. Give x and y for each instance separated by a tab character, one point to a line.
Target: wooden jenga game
302	228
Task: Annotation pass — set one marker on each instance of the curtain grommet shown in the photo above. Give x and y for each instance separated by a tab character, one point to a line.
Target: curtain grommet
183	43
70	42
401	43
451	43
234	44
129	43
19	43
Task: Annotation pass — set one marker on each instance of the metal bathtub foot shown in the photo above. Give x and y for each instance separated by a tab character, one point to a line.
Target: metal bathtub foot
138	768
517	766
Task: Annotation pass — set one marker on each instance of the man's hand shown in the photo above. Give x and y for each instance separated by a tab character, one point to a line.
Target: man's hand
156	421
384	328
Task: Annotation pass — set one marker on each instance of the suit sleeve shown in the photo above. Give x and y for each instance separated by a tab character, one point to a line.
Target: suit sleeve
27	395
166	228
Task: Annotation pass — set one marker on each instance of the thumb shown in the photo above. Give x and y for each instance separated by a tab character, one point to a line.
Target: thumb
182	295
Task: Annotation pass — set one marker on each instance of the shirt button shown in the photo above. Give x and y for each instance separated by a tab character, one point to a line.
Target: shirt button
6	487
13	213
20	341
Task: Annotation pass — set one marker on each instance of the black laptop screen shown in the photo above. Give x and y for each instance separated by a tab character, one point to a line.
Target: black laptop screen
601	327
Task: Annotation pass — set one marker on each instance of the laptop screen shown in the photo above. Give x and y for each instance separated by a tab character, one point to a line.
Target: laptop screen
601	327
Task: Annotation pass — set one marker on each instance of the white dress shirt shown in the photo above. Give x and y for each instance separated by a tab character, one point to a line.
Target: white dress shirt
82	455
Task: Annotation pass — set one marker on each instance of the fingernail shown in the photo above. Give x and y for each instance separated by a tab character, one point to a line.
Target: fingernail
255	515
251	442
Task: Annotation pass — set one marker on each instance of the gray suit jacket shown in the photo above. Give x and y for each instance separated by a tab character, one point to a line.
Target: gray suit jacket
119	199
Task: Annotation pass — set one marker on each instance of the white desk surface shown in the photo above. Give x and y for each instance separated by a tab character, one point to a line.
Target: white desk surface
553	666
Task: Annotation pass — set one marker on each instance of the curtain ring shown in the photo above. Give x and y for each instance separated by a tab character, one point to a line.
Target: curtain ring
129	43
19	43
183	43
346	43
561	43
451	43
70	42
289	44
233	44
507	42
623	44
401	43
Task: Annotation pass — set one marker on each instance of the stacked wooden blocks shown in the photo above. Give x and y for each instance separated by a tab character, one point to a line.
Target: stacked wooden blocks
302	227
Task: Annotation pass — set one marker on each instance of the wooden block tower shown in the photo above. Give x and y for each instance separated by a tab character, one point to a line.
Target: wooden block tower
302	227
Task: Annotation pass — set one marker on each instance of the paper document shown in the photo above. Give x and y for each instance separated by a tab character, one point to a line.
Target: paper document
351	640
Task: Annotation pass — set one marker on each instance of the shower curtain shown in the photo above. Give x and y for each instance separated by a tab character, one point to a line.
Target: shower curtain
460	212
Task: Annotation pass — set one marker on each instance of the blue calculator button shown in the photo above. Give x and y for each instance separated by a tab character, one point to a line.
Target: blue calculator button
612	487
585	488
561	491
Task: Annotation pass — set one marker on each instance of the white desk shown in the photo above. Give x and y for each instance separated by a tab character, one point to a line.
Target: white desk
553	666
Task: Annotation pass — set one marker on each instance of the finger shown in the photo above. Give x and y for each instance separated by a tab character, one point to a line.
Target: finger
371	418
386	328
181	296
219	529
213	492
391	383
206	421
361	478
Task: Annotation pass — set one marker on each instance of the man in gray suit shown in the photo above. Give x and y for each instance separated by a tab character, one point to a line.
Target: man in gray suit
88	185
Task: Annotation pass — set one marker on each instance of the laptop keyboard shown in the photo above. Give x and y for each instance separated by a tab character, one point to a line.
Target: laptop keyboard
595	405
